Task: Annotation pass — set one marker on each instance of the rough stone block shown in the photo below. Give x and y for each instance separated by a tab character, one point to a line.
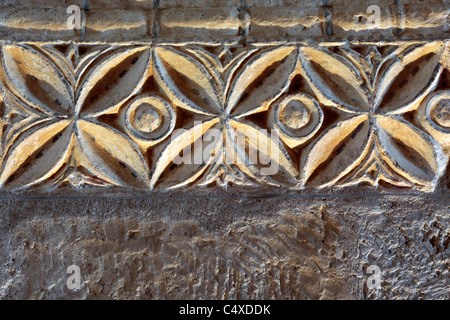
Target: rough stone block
166	4
359	22
199	24
280	3
286	22
121	4
427	20
118	24
41	3
28	24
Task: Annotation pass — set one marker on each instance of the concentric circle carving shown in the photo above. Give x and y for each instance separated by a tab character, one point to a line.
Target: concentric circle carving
298	117
149	118
438	111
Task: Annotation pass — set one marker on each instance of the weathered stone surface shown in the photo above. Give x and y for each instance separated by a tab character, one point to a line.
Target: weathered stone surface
286	22
427	20
118	24
42	3
26	23
164	4
194	20
324	151
226	248
357	22
121	4
204	24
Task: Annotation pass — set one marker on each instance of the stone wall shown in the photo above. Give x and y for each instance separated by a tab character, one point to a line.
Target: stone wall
89	178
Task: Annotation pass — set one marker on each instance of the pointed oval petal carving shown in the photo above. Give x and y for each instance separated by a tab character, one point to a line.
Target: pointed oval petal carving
412	76
187	166
335	79
112	156
363	64
35	157
337	151
264	78
408	151
113	80
186	81
260	154
36	80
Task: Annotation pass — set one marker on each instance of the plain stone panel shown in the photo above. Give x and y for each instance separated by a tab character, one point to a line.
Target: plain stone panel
28	24
165	4
116	24
286	22
199	23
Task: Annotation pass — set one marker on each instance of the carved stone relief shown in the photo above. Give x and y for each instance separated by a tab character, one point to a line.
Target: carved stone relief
210	149
121	115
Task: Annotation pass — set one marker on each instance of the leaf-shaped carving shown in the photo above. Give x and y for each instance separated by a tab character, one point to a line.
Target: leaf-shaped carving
36	80
408	151
335	79
359	61
386	63
61	61
84	56
412	76
112	156
259	154
211	63
184	143
38	155
232	68
113	80
75	58
264	78
338	151
186	81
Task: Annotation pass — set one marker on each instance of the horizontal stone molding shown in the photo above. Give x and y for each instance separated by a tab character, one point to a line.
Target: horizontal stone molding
212	21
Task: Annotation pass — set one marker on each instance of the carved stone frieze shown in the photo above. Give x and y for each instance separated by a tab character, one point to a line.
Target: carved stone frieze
159	117
212	149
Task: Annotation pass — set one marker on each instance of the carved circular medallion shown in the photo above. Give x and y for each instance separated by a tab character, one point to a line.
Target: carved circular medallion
294	114
438	111
150	118
298	117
